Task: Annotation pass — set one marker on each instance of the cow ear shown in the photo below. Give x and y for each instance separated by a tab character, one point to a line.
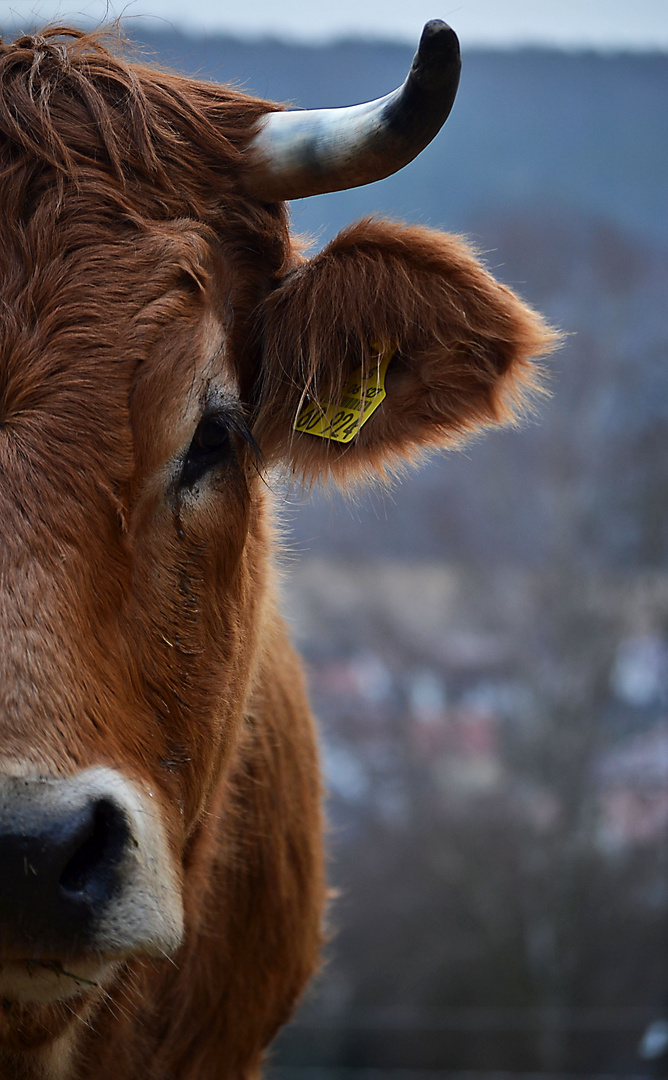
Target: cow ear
403	310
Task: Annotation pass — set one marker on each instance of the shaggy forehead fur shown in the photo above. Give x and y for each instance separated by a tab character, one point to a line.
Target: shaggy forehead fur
116	183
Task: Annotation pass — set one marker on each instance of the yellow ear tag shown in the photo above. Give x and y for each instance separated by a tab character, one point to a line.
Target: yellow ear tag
361	397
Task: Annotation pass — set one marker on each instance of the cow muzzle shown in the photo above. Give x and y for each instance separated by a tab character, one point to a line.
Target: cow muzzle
86	880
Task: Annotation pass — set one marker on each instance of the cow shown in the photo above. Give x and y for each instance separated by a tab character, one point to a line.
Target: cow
166	348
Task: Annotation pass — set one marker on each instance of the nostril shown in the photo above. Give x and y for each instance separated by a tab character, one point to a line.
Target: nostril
91	870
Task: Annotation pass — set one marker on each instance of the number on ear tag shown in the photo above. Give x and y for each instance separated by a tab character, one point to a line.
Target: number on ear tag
361	397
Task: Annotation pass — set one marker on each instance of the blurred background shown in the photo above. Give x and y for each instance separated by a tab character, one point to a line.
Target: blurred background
487	644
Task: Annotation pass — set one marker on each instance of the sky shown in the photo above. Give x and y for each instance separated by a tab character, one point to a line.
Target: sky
600	24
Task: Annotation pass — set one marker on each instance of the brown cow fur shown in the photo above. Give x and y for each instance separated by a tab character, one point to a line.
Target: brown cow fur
138	624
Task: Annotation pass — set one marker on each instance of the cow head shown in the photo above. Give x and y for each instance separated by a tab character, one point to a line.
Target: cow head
160	337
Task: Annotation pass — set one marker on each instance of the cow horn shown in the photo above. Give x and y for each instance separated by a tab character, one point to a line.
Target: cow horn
312	151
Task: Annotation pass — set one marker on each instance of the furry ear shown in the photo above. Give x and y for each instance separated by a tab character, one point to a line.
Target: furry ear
462	347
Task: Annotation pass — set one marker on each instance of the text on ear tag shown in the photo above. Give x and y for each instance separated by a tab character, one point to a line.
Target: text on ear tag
361	397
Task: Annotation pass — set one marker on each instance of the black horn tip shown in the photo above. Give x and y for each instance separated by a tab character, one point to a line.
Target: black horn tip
438	51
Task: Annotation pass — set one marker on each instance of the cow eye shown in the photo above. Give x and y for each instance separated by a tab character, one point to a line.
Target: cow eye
211	445
212	436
